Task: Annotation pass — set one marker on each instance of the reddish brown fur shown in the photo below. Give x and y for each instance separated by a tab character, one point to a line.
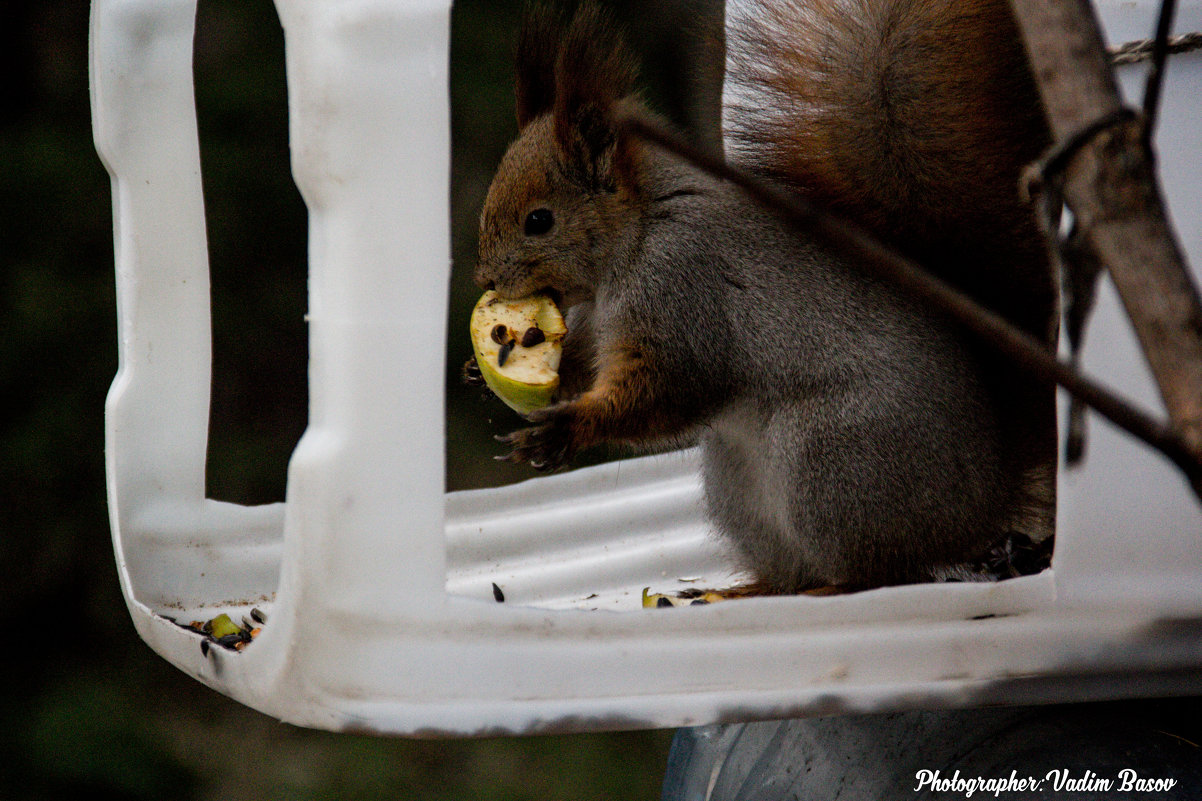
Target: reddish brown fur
928	118
538	47
913	118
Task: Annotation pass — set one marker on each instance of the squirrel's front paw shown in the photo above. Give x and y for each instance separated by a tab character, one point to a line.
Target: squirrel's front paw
471	373
546	446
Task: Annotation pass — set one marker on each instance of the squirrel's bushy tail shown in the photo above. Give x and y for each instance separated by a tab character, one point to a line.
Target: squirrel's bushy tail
912	116
915	118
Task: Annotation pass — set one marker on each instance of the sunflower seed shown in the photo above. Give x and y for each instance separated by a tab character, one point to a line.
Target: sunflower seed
533	336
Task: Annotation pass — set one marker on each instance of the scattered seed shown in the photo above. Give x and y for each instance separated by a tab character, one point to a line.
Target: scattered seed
204	647
700	602
663	602
506	349
247	623
533	336
500	334
497	594
258	615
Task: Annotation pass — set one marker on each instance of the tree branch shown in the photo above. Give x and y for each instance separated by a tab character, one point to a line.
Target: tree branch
1110	185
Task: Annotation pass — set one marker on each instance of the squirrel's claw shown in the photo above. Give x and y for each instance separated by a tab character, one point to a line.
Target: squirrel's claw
546	446
471	373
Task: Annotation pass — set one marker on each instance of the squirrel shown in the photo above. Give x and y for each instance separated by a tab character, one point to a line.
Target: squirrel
850	436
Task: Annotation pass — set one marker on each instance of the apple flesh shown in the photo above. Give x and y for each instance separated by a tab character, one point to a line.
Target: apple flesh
518	344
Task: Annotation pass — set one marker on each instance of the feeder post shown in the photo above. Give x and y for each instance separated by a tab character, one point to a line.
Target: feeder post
370	130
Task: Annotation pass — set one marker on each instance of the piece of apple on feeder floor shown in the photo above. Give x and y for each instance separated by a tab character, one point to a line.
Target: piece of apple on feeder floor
517	345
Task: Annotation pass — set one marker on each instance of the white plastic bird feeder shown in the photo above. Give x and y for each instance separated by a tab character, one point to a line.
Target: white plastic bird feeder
378	585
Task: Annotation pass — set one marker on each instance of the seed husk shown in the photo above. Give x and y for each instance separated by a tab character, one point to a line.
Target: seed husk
500	334
533	336
503	354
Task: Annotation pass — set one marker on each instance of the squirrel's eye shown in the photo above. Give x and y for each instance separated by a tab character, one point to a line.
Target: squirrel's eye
538	222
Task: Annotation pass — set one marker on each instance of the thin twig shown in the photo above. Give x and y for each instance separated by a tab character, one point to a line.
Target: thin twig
994	329
1160	51
1141	49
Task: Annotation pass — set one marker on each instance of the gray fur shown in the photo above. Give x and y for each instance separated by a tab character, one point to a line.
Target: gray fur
848	439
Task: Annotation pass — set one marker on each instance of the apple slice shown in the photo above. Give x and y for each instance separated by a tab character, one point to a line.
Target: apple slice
518	344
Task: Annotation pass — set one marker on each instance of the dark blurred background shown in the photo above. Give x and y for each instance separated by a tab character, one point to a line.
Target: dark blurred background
88	711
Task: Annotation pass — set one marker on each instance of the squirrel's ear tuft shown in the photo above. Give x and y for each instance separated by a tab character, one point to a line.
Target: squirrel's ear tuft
593	71
537	51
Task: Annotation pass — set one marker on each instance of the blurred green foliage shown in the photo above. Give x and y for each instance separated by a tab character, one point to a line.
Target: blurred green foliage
88	711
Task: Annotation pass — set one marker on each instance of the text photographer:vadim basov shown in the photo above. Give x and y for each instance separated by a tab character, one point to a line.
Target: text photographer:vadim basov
1127	780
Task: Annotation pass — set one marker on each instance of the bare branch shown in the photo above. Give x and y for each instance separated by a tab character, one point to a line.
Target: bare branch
1110	185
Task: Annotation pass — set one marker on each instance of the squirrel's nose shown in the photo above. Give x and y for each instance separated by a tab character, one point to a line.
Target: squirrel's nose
482	280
